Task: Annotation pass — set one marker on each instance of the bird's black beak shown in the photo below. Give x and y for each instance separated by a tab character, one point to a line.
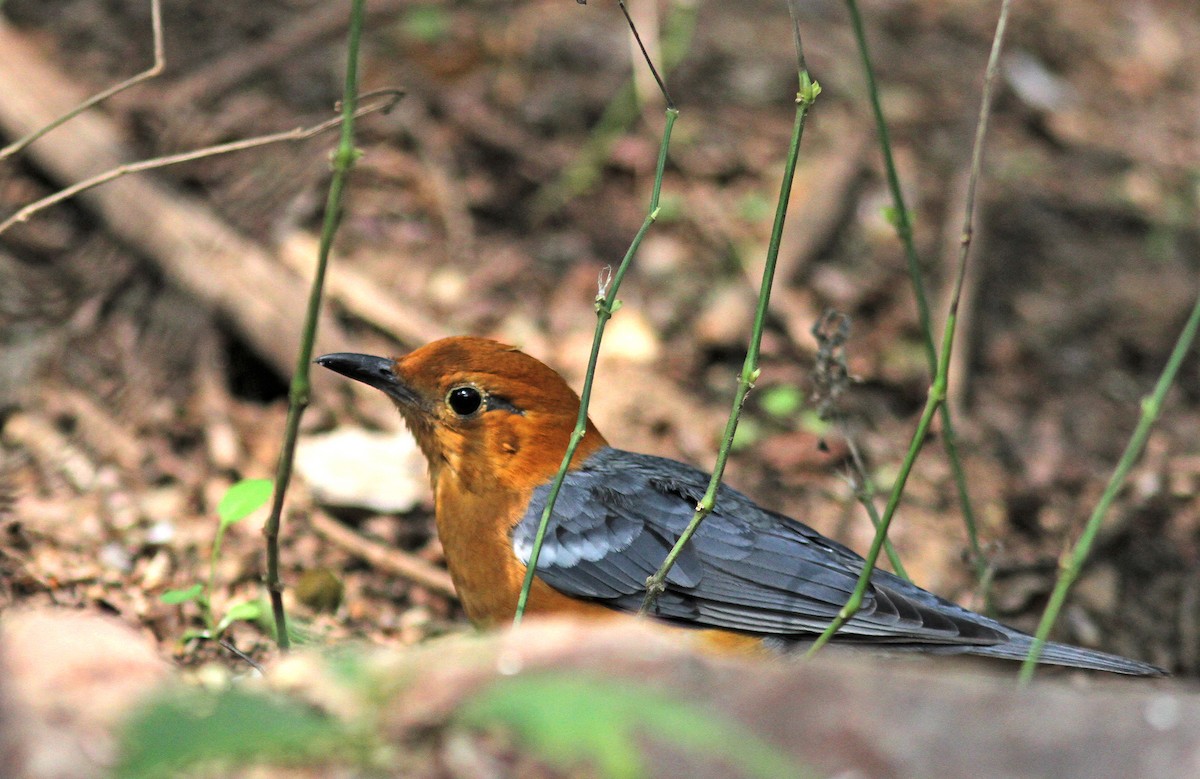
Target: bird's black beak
377	372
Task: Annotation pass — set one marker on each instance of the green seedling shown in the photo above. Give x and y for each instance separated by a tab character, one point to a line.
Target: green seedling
239	502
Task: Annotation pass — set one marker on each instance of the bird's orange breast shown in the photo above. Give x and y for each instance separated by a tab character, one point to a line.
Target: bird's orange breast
475	535
488	576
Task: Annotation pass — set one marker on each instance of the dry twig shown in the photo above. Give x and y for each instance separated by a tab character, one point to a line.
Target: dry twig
384	558
160	61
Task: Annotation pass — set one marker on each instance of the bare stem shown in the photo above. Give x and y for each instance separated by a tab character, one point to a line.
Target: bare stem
864	491
606	305
904	230
343	160
805	97
623	109
646	56
937	391
1073	564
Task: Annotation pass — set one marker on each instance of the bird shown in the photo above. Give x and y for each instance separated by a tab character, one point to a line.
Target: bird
494	425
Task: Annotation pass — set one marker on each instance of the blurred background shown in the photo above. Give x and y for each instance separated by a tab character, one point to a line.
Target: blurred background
146	330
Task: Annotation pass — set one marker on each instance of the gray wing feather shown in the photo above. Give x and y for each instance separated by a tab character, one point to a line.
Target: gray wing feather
746	568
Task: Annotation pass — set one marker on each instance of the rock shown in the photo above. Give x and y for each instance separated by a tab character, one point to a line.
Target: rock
382	472
70	679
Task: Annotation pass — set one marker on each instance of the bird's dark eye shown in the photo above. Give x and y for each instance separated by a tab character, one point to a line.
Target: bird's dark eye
464	401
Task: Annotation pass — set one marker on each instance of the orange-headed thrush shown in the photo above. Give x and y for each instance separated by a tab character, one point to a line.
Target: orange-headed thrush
494	424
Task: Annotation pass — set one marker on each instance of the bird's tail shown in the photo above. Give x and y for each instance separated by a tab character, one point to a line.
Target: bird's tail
1017	647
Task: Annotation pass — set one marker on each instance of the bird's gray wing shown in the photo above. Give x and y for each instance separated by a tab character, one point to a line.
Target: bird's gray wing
746	569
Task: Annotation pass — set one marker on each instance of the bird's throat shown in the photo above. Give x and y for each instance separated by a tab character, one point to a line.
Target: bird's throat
475	538
476	534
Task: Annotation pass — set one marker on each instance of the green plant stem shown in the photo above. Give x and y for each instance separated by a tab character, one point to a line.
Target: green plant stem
937	391
606	305
864	490
937	395
868	501
904	230
1073	564
808	92
298	394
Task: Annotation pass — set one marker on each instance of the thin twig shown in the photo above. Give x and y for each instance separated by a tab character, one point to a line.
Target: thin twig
297	134
904	230
607	304
807	93
646	56
985	113
582	172
384	558
229	647
298	394
160	62
864	492
937	390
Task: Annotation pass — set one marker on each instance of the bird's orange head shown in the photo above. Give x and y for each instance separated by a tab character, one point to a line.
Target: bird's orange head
486	415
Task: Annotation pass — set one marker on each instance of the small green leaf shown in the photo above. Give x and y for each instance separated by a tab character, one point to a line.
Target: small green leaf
782	402
754	207
671	208
810	421
247	611
173	597
299	631
243	499
427	23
